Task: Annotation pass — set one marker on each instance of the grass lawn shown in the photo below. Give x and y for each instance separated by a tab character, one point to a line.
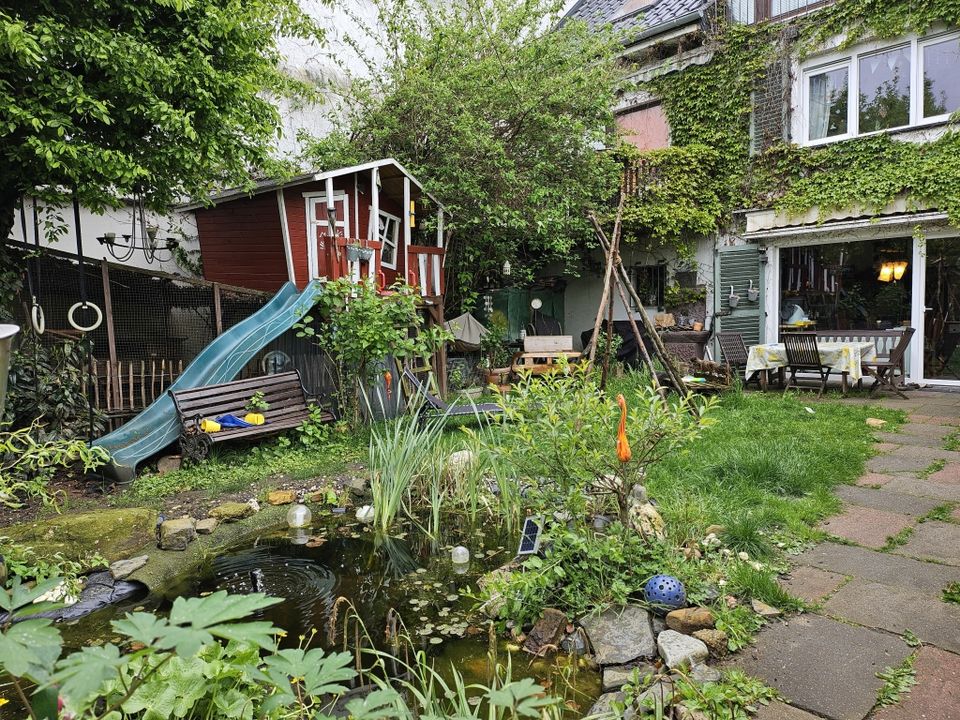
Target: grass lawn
766	467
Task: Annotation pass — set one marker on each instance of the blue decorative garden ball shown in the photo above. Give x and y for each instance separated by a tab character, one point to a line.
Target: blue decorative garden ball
665	591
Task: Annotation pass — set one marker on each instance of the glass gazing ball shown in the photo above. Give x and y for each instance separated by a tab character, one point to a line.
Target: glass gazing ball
665	591
460	555
299	516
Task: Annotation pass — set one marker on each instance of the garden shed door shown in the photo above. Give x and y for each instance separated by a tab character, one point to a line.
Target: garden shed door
739	266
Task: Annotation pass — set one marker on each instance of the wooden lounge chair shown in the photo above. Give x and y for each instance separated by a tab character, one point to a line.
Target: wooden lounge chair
733	352
804	355
432	406
884	370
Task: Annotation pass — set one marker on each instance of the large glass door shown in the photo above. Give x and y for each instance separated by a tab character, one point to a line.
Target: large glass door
941	320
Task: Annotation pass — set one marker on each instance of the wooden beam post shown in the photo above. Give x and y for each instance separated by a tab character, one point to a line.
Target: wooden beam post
217	310
111	332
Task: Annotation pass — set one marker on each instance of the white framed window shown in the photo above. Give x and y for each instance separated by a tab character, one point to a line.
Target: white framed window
879	87
388	233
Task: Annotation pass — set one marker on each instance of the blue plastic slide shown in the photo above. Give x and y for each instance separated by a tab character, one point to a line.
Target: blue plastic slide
219	362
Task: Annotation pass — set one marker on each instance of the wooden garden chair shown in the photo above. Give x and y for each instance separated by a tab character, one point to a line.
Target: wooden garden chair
733	352
884	370
803	355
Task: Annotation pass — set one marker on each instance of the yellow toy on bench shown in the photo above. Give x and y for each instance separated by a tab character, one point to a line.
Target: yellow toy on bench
209	426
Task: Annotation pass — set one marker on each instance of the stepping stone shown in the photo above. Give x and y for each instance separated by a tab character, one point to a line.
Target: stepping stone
810	584
924	430
781	711
821	665
885	568
872	479
911	505
933	540
897	463
956	514
929	454
950	475
933	419
885	447
936	696
924	488
898	609
866	526
885	438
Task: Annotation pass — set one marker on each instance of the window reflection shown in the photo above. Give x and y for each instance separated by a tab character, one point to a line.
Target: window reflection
828	95
885	89
941	77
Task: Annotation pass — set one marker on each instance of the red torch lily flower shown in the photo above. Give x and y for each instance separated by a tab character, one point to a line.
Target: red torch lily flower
623	446
388	382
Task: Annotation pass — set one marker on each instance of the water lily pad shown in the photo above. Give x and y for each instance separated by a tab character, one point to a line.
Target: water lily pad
436	640
421	571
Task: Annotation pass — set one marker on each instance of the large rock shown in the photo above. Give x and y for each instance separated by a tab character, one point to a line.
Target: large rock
715	640
616	676
689	620
678	649
232	511
603	707
115	534
620	635
122	569
702	674
280	497
545	635
764	610
177	534
207	526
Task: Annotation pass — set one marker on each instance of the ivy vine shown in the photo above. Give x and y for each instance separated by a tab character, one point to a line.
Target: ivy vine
691	188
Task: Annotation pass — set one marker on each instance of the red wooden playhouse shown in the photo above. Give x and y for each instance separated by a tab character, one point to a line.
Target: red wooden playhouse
318	225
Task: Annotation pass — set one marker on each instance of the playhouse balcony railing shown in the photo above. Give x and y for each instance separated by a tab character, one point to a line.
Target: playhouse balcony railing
425	269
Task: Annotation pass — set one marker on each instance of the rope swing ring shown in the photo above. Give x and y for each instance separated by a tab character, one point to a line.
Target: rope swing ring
37	318
88	328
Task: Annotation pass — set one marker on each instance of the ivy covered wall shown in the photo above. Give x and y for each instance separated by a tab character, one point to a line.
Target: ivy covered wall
694	187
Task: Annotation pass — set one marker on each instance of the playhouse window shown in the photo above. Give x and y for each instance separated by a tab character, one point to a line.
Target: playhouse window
389	229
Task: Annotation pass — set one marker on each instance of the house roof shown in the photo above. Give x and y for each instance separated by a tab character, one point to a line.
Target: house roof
393	170
643	17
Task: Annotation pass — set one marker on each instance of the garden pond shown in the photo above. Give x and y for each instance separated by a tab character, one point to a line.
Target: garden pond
408	572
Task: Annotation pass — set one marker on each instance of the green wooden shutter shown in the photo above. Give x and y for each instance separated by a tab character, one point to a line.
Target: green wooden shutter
737	265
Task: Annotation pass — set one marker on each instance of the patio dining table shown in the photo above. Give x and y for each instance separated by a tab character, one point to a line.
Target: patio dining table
846	358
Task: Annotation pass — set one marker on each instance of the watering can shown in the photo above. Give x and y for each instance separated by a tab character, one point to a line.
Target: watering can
6	341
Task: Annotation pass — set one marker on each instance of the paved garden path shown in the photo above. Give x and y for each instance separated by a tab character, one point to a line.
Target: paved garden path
897	545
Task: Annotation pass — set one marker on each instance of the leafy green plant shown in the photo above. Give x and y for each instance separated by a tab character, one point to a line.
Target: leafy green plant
315	431
951	593
676	296
896	682
739	623
24	562
28	462
46	385
256	403
560	433
358	328
493	345
734	697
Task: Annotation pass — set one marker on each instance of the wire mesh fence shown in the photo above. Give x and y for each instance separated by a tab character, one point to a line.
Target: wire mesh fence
154	325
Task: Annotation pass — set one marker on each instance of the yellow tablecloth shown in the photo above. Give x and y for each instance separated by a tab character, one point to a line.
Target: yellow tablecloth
841	357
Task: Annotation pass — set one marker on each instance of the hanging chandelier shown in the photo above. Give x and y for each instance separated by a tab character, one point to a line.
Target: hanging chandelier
142	237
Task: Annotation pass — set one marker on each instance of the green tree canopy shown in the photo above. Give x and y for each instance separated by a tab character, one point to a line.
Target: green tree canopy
170	98
499	108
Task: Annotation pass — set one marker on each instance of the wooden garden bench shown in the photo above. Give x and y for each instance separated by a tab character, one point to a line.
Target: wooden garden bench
287	398
543	354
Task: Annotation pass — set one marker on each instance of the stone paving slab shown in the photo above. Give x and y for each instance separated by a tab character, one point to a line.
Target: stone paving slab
936	696
911	505
871	479
925	430
897	463
924	488
888	438
950	475
811	584
781	711
866	526
924	419
929	454
934	540
821	665
893	570
956	514
897	610
886	447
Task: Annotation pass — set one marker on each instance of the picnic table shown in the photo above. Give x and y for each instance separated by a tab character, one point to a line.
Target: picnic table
846	358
